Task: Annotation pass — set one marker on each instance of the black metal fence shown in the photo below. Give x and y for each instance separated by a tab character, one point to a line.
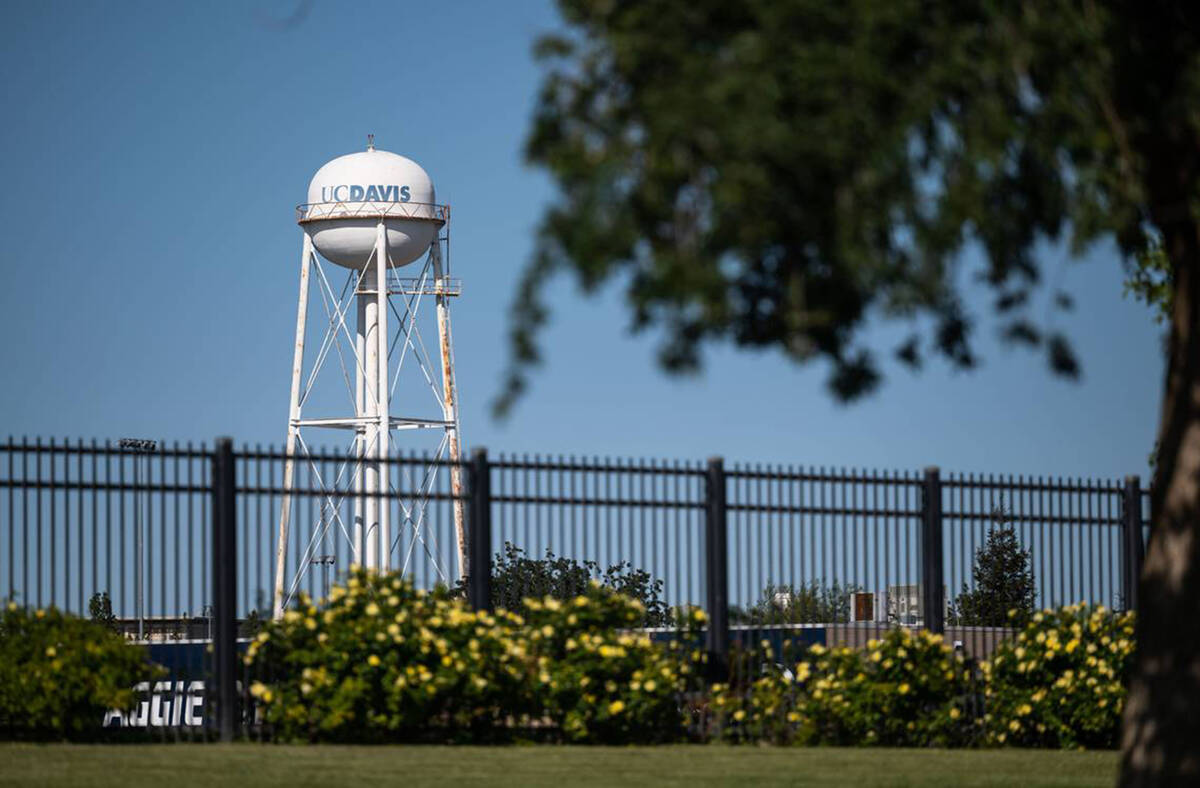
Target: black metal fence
776	553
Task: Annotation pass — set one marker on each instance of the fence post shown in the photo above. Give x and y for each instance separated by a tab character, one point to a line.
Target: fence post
224	569
1131	540
716	563
933	610
479	566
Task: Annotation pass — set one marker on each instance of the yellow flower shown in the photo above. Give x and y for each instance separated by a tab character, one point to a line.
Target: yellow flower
1072	644
373	661
903	689
372	609
580	601
547	631
1024	709
616	707
1013	726
650	685
50	651
257	689
955	713
739	715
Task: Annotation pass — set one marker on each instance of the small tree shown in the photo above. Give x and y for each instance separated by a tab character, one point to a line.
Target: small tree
100	610
1003	582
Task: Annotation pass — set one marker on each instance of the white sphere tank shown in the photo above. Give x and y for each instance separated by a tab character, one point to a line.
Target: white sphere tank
350	195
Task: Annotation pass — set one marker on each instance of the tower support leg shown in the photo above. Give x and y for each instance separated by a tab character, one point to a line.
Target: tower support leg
360	410
450	406
289	468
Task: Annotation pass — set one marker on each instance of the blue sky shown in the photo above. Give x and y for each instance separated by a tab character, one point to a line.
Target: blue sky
152	157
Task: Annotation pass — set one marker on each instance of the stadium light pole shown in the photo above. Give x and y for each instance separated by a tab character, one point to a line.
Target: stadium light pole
138	446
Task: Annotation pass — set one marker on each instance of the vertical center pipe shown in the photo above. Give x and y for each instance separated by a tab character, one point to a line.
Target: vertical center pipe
381	336
369	314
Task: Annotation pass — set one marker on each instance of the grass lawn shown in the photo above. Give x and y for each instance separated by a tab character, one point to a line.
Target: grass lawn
172	766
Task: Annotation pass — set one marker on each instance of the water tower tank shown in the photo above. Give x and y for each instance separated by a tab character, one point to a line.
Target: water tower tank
348	197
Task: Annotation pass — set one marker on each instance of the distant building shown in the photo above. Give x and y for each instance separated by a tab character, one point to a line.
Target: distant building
898	604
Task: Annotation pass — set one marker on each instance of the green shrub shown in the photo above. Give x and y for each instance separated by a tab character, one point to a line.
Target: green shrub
596	681
59	674
906	690
1062	682
385	662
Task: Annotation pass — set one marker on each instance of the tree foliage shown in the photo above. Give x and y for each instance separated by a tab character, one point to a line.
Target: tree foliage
1149	279
517	577
1004	592
807	603
777	173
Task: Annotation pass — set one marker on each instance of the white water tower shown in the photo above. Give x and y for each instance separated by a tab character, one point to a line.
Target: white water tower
374	214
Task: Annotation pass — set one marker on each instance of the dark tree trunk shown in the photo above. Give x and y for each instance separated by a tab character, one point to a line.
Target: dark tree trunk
1161	736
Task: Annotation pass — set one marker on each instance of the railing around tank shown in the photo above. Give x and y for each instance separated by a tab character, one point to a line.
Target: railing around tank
372	209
